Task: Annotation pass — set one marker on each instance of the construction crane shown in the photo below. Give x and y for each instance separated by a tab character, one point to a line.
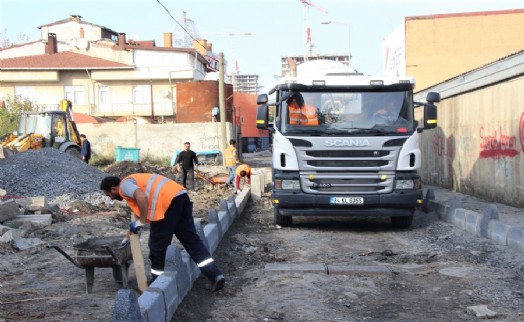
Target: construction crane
307	30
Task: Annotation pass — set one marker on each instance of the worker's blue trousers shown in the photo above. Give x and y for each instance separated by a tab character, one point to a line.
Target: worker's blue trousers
179	221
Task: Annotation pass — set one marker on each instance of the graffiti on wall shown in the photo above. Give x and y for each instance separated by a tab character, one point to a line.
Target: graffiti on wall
444	147
497	144
209	142
521	131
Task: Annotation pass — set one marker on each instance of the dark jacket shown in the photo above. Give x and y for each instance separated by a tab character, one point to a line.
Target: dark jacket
85	151
187	159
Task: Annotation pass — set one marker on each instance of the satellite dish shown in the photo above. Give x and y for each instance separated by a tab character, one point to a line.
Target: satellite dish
165	93
82	43
72	42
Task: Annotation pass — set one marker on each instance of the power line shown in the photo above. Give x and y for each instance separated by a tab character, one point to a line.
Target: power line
178	23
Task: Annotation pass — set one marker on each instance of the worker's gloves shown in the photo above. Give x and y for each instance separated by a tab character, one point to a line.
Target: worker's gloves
135	226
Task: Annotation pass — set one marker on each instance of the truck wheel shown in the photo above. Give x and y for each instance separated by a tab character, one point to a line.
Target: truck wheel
401	221
280	220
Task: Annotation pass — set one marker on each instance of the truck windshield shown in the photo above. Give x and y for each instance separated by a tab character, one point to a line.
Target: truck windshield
347	113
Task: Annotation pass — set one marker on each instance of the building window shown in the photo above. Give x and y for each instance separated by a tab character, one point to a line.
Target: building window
75	94
102	95
141	94
25	93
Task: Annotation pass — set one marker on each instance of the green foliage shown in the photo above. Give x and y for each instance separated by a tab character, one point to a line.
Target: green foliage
156	161
100	161
10	114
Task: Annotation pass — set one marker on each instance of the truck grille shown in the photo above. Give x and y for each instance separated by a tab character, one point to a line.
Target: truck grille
348	170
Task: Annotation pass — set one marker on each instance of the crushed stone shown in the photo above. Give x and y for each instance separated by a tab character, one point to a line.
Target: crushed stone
58	176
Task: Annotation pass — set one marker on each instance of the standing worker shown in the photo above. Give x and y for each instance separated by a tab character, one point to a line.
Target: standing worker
164	204
85	150
187	162
242	171
231	161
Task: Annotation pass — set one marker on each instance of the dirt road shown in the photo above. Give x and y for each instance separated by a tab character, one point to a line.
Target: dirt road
435	273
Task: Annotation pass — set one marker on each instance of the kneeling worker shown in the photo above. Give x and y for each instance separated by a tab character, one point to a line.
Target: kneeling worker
166	206
242	171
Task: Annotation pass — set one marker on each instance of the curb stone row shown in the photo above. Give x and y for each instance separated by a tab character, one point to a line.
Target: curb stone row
485	224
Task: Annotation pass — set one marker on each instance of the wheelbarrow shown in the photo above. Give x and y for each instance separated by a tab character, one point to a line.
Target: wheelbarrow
214	180
101	252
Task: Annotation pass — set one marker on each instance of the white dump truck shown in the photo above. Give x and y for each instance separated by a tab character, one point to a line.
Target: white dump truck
356	155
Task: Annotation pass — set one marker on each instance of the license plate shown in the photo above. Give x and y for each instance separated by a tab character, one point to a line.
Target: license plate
346	200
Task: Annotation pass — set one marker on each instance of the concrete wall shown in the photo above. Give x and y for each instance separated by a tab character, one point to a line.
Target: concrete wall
478	147
153	140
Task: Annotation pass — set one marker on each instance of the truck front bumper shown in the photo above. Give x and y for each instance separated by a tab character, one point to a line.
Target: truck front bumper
396	203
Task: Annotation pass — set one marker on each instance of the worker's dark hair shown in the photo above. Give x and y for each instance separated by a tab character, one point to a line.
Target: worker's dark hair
243	173
298	98
187	143
232	141
83	136
109	182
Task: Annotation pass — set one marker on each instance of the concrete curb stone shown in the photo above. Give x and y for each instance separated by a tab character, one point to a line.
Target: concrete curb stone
516	238
498	232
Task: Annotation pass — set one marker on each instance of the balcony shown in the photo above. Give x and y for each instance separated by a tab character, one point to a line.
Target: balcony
136	109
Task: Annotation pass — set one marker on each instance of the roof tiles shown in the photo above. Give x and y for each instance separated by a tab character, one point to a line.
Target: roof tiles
61	60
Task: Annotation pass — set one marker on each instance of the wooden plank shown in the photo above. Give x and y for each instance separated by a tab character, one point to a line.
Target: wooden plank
138	262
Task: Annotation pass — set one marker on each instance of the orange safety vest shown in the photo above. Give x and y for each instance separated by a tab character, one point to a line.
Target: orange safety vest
159	190
306	115
230	156
243	167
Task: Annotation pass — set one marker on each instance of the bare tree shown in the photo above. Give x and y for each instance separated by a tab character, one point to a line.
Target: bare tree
5	42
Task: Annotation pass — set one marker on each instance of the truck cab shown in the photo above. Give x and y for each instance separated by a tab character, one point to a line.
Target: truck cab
358	155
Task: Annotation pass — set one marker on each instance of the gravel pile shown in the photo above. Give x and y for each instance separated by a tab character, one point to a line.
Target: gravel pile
48	172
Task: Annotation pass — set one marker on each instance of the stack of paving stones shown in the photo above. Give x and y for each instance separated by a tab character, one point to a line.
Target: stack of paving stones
161	299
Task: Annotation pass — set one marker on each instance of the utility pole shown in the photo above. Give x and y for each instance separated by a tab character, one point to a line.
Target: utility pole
222	101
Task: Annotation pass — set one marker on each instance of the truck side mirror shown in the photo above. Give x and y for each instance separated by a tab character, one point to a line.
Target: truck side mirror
262	117
262	99
433	97
430	116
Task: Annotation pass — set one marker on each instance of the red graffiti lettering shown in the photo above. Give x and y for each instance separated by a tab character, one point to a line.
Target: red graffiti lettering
443	146
521	131
498	145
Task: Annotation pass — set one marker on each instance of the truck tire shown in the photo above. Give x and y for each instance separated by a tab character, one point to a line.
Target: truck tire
280	220
401	221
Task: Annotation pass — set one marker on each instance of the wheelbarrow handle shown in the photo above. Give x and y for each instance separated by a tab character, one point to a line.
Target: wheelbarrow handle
66	255
113	254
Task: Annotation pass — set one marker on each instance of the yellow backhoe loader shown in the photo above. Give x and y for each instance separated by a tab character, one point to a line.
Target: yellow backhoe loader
55	129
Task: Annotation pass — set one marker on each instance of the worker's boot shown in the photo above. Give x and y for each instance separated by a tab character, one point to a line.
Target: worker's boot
218	283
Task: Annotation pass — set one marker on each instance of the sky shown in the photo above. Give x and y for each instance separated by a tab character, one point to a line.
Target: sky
254	34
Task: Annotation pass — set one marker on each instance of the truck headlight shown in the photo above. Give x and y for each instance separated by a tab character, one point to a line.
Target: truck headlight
407	184
287	184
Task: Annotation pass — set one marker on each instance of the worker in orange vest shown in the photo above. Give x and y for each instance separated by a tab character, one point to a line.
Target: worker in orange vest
242	171
231	161
165	205
301	113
